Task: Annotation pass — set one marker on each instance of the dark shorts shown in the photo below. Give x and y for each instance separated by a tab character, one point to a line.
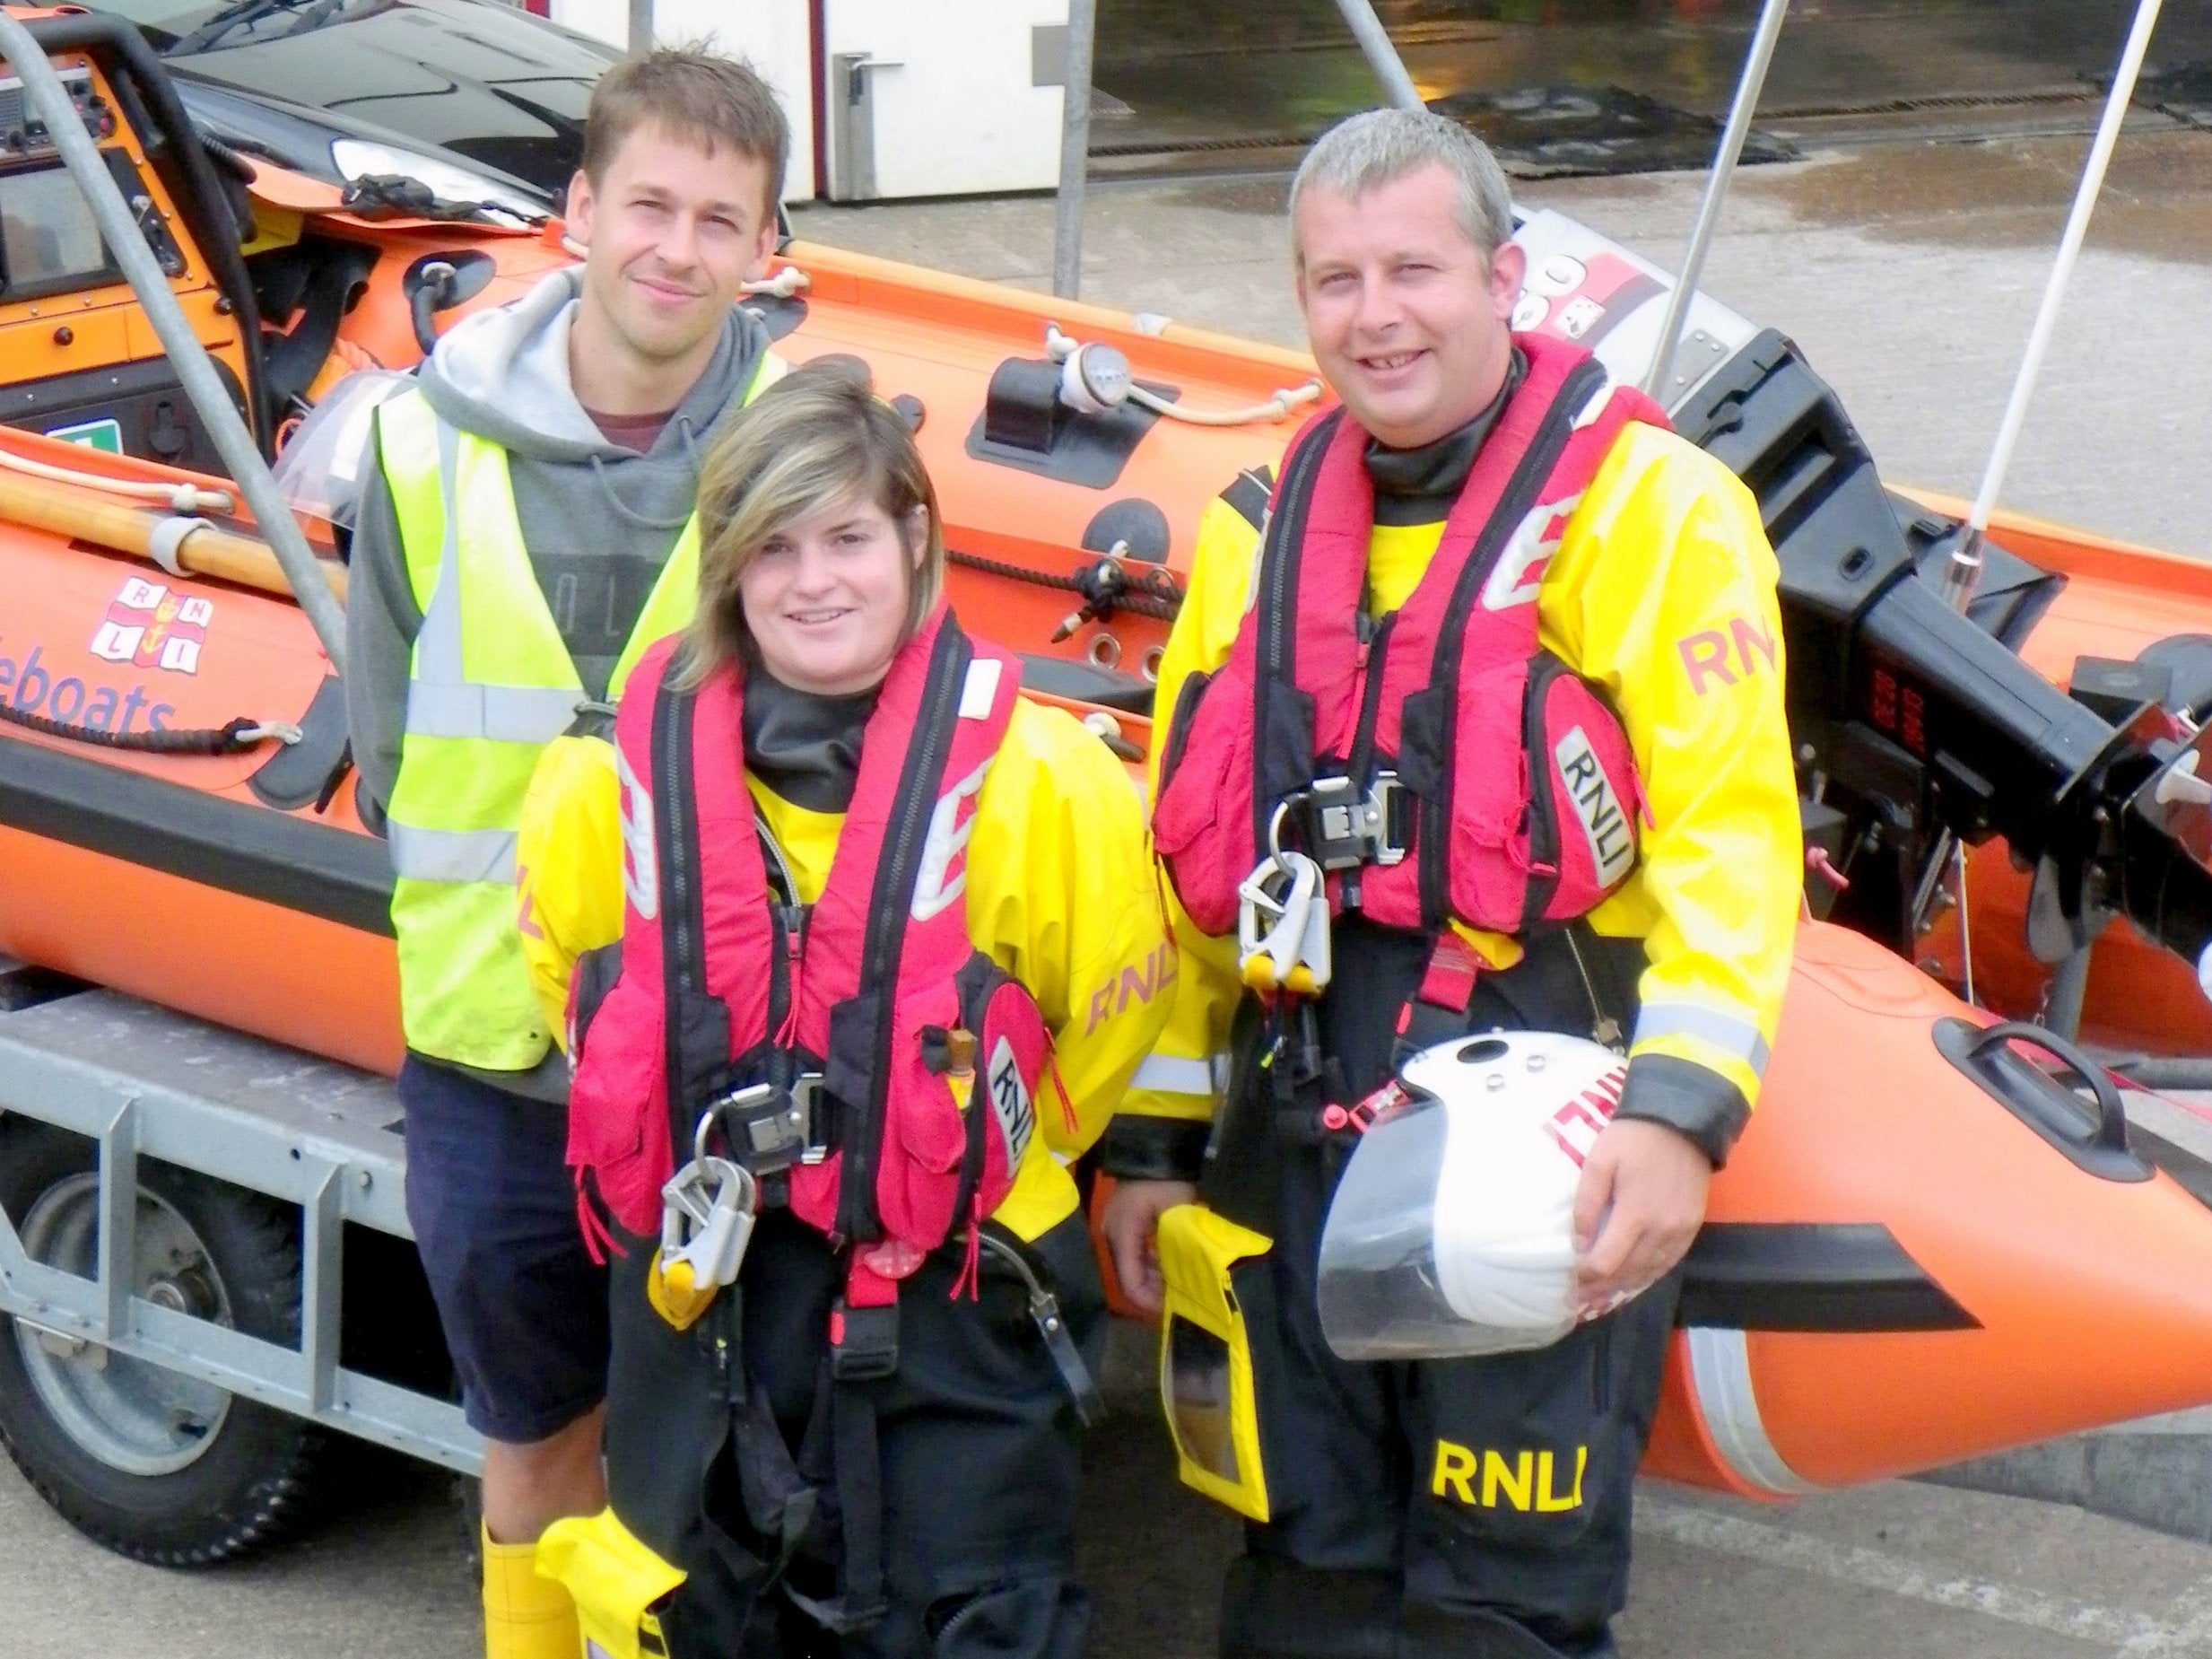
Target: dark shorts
493	1211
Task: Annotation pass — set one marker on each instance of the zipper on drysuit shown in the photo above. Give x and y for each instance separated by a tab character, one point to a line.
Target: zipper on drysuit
683	960
790	916
887	909
1603	1027
1279	558
1367	673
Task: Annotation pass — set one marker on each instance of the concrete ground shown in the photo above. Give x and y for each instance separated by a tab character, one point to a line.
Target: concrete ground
1900	1569
1180	80
1910	275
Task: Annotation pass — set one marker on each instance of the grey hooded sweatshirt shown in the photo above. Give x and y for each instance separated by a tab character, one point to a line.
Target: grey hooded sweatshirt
598	520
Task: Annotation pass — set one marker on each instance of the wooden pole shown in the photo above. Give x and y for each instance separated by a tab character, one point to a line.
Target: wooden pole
86	515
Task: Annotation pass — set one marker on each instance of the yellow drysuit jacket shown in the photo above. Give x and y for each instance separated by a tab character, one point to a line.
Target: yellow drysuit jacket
1662	591
1060	895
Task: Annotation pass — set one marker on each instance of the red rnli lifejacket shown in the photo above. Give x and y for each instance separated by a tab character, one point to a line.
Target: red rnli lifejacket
1463	773
720	986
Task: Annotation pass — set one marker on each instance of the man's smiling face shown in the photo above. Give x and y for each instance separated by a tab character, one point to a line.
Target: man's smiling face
672	230
1406	316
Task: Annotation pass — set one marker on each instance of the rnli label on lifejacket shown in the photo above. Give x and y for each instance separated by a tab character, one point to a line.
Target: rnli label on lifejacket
641	874
1605	826
149	626
1010	1102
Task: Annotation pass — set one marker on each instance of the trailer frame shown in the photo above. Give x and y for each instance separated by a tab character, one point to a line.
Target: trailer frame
268	1121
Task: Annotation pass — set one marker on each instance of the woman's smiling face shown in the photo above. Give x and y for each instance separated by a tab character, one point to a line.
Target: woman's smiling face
826	598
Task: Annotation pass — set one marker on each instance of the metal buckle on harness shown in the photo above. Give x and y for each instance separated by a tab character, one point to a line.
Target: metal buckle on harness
769	1128
1343	829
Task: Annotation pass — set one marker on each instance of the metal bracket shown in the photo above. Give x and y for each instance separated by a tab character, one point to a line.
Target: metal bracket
852	96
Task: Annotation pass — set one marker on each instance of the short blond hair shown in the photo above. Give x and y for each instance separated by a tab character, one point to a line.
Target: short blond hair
818	437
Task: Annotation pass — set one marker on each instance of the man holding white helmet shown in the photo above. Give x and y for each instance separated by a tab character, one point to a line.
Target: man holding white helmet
1477	726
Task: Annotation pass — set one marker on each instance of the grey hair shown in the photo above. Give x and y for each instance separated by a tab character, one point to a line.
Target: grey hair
1368	151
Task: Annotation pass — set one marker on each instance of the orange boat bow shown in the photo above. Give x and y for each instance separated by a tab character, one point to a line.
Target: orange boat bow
2089	1298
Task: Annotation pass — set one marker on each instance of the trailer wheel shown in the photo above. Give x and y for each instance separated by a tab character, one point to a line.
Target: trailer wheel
152	1464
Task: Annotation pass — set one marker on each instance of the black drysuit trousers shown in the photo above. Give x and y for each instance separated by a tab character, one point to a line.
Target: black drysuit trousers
1473	1508
977	1452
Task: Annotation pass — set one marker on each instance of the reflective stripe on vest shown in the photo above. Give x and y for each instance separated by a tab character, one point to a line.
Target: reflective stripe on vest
490	683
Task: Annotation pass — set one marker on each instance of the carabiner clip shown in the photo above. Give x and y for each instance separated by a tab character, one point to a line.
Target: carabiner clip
707	1212
1283	926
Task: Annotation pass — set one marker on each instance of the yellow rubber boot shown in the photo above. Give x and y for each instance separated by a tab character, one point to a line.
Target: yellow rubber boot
525	1617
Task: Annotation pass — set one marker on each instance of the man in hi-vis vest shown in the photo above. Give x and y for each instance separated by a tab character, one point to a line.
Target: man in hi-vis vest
526	534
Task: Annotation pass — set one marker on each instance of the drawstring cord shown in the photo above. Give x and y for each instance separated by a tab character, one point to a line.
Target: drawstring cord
1060	1087
630	514
971	1277
598	1237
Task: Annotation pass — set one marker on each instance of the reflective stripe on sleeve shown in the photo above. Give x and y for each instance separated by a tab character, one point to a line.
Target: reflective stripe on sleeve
451	855
1732	1034
1164	1074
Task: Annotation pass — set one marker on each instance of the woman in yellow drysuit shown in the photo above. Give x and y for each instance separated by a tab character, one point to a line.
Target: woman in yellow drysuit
933	964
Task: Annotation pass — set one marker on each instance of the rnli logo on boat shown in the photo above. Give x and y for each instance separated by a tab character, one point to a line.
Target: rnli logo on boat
150	627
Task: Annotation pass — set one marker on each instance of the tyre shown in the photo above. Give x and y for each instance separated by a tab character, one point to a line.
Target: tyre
148	1462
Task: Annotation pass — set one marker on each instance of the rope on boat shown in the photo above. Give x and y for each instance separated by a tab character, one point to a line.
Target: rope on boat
783	284
1060	346
1106	587
235	737
1286	401
180	497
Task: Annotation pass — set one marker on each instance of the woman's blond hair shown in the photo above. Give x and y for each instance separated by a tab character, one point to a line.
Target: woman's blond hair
817	438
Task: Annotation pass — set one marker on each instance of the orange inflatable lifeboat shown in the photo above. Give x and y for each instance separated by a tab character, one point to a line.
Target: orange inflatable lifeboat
1955	1253
1068	529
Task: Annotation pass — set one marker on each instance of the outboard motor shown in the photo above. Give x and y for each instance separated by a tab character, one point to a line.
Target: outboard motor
1914	724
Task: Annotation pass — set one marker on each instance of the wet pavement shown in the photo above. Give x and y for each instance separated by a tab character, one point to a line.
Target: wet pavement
1197	86
1909	274
1902	1569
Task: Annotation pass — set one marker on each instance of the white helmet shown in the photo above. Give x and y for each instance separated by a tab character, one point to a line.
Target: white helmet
1451	1233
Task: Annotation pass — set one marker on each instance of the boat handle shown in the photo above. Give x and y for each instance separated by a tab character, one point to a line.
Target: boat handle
2112	1114
2048	1105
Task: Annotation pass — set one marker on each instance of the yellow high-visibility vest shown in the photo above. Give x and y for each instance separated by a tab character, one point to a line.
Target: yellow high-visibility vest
490	685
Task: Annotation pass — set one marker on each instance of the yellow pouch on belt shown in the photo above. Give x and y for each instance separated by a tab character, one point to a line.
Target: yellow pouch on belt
1206	1358
615	1580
